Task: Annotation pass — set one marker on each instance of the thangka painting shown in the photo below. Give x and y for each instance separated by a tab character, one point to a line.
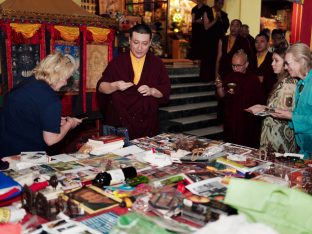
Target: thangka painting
24	59
74	80
97	60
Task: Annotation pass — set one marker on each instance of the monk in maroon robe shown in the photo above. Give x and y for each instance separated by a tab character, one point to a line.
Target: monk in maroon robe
130	96
238	90
228	46
264	68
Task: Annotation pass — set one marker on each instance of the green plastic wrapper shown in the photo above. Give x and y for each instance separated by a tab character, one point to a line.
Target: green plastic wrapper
135	223
288	211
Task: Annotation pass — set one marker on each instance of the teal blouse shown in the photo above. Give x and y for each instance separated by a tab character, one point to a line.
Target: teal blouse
302	115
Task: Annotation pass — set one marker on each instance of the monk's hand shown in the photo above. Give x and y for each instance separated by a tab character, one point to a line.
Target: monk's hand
281	114
145	90
256	109
122	85
218	82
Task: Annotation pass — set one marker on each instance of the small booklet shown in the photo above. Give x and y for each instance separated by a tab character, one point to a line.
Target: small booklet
266	112
208	188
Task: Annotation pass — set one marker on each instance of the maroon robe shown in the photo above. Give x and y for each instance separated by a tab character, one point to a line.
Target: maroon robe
241	127
129	108
225	66
266	70
213	35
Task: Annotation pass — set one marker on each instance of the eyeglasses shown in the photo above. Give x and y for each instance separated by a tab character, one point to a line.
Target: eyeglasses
237	65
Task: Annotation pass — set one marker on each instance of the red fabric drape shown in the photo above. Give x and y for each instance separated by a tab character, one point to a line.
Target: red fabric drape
67	103
52	33
83	30
42	41
18	38
9	55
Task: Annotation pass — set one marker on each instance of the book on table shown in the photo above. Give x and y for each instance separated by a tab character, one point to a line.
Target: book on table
243	164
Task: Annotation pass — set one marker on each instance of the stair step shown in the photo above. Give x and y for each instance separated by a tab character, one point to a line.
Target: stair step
186	107
190	85
206	131
191	95
183	75
195	119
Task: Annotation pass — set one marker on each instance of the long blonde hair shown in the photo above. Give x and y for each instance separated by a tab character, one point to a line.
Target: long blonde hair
302	54
54	68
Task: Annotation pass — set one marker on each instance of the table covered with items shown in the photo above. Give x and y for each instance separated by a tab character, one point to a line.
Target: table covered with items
170	183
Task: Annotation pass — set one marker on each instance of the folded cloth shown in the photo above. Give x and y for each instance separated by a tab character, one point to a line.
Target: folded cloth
9	188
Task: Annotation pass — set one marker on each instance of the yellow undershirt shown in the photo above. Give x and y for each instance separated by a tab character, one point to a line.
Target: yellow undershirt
137	65
261	58
214	12
230	44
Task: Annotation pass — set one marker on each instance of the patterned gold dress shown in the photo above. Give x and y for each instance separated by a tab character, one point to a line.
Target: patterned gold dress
276	136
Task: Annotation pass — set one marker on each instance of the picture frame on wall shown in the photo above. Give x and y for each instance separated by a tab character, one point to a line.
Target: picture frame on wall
25	57
110	6
97	60
73	82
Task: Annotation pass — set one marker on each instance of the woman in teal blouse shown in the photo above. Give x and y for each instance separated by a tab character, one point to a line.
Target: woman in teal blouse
298	62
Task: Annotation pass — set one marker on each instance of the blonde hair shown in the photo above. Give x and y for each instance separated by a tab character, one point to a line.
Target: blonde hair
55	67
302	54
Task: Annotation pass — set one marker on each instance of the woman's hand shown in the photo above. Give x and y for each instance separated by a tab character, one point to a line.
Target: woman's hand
256	109
63	121
282	114
73	122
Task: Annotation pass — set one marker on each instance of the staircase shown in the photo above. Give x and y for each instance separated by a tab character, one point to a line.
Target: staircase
192	106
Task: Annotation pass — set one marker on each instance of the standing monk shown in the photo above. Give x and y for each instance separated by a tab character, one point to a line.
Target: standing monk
228	46
239	90
133	85
264	68
219	26
202	21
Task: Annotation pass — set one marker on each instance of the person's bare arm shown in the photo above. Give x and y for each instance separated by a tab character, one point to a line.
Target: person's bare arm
256	109
68	123
207	23
147	91
219	88
108	88
219	55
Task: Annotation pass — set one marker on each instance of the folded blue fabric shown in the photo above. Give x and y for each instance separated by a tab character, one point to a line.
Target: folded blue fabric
9	188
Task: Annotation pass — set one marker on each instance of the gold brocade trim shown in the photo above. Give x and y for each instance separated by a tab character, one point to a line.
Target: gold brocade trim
27	30
99	34
68	33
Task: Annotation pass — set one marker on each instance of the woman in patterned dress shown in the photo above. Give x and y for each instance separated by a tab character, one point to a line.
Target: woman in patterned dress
276	135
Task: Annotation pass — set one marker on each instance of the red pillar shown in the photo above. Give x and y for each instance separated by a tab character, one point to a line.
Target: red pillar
301	22
306	22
